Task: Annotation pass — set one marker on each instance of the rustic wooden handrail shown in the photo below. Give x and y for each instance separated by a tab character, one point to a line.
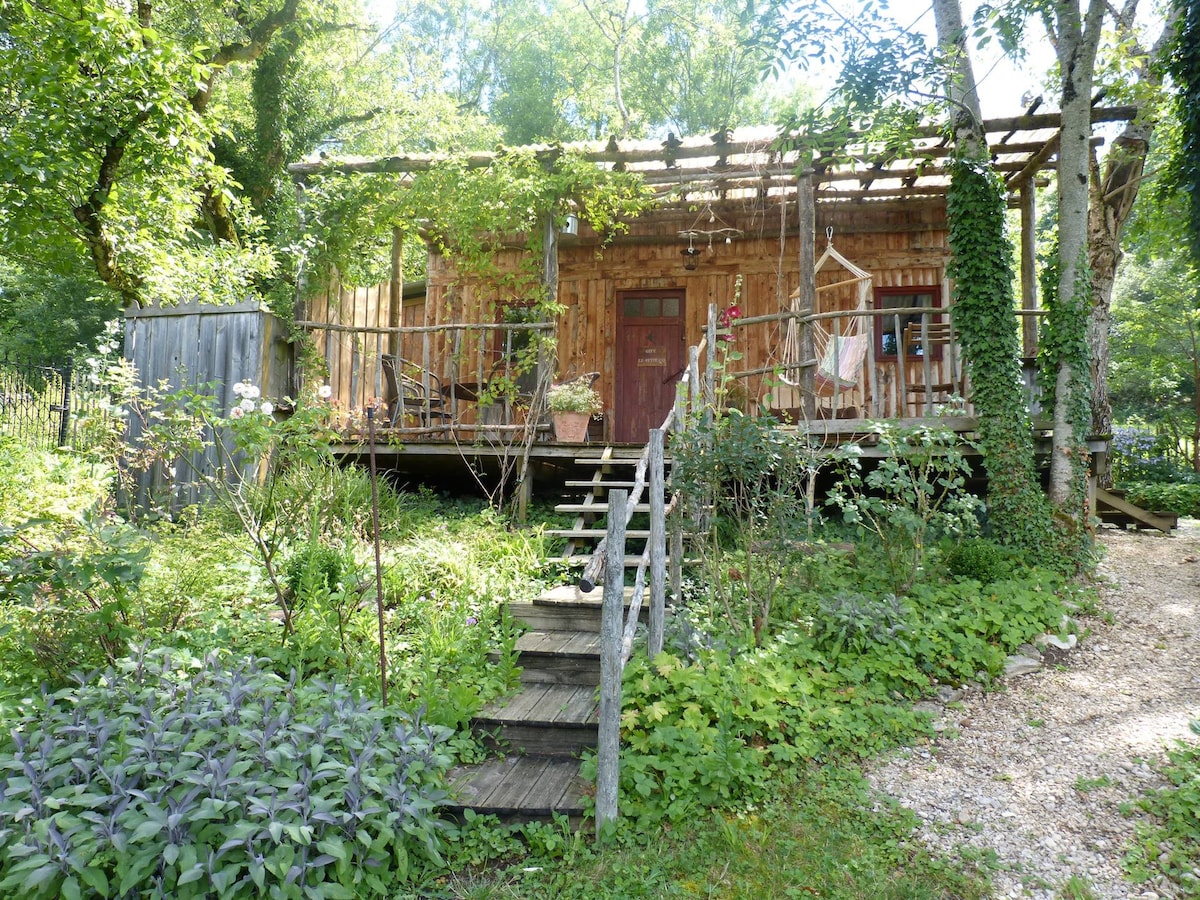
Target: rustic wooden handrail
616	646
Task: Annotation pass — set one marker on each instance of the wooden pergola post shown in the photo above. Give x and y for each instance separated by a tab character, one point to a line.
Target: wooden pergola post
1029	297
807	290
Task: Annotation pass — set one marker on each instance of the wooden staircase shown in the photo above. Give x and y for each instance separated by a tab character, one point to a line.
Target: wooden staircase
1113	508
610	469
542	729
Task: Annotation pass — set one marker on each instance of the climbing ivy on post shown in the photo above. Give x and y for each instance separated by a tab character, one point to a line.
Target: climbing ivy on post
1064	377
982	269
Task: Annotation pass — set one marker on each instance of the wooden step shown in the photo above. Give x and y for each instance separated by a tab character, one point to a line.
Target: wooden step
607	485
564	608
561	657
520	789
632	561
596	533
1112	507
542	719
611	461
599	507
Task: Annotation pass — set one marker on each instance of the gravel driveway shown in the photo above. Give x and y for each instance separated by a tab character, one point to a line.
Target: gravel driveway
1036	772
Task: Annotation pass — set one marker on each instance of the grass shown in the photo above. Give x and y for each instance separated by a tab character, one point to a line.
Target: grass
822	837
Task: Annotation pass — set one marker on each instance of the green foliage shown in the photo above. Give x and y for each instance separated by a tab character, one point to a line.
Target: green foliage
913	495
1155	325
979	560
964	631
822	833
1184	66
724	730
1181	499
856	624
1170	842
253	451
69	589
195	778
753	474
315	567
45	315
982	270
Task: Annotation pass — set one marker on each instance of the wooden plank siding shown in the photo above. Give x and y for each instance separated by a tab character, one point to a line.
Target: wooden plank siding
192	344
901	245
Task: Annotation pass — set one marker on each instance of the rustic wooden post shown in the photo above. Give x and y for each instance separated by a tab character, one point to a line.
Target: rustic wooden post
546	358
710	364
901	371
609	738
396	291
676	553
807	289
1029	298
658	543
871	375
926	364
694	388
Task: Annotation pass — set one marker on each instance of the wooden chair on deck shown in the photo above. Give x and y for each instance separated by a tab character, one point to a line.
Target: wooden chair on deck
946	365
414	391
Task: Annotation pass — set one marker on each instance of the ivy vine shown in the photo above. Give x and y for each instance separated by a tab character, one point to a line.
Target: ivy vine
1184	66
1063	341
982	269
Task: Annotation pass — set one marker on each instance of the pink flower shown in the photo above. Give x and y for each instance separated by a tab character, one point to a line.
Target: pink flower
236	413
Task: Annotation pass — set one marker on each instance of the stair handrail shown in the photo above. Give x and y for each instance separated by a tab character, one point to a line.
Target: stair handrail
616	644
676	420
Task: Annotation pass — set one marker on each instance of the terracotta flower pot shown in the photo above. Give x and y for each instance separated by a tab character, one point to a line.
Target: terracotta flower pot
571	427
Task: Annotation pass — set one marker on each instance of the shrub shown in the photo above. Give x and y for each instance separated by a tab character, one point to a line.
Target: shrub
1139	455
69	594
914	494
174	776
1181	499
978	559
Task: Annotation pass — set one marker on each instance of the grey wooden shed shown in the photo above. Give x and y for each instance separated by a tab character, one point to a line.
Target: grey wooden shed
192	344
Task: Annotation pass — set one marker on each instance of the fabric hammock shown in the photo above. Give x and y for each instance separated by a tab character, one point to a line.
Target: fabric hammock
840	354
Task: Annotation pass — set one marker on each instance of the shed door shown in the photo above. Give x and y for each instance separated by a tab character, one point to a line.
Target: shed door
650	360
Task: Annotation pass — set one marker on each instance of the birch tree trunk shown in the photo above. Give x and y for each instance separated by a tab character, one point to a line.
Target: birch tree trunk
1078	38
966	117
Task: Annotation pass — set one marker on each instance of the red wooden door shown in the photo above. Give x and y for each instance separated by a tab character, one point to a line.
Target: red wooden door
650	360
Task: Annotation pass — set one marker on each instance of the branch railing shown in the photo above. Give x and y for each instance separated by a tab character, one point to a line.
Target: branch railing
910	331
694	392
455	364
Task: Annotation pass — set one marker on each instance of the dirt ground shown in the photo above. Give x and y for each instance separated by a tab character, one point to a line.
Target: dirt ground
1032	778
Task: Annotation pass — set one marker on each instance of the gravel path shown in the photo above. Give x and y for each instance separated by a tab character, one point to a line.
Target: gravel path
1037	772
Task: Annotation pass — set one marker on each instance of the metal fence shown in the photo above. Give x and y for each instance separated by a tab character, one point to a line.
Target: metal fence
41	401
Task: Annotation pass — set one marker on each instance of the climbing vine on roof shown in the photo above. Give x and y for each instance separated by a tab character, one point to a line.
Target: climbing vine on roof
469	213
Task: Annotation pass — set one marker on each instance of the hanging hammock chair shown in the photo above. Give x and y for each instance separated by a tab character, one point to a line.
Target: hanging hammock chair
840	347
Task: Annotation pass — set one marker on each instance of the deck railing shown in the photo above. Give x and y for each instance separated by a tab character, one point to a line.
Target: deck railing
924	375
469	379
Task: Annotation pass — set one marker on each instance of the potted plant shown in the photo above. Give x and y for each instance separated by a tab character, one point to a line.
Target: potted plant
571	406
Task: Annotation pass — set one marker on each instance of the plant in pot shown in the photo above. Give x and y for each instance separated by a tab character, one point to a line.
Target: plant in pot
571	406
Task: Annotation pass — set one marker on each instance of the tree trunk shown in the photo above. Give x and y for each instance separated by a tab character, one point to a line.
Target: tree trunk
1076	48
965	114
1113	193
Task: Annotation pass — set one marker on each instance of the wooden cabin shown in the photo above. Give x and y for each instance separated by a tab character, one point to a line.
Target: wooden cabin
721	262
